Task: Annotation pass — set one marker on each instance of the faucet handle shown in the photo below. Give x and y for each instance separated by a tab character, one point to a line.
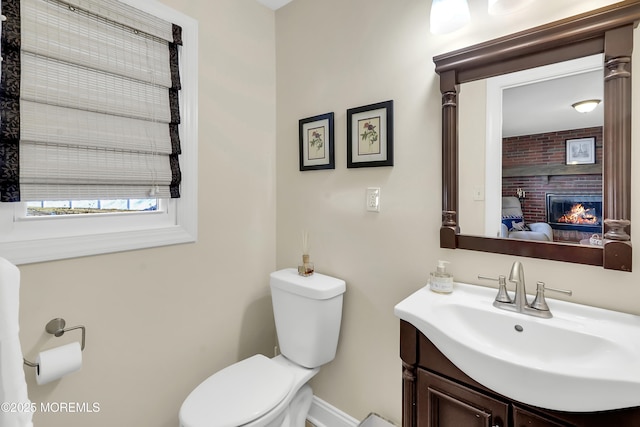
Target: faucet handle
540	303
503	295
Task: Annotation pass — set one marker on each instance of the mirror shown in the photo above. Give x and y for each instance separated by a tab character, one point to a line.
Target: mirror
606	32
531	125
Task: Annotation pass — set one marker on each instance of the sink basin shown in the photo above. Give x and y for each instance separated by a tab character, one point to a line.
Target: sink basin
583	359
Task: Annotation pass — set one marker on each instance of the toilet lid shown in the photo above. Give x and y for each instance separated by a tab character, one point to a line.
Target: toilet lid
238	394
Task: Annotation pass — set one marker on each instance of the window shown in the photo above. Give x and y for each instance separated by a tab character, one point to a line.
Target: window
26	238
90	207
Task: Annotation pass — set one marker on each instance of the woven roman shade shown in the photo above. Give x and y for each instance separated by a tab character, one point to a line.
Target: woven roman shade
90	104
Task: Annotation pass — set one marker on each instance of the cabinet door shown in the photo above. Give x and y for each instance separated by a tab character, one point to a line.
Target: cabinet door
524	418
444	403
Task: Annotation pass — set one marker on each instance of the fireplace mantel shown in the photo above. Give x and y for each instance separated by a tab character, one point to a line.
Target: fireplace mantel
551	170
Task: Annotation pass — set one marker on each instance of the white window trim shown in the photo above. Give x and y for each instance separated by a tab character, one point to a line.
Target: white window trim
24	241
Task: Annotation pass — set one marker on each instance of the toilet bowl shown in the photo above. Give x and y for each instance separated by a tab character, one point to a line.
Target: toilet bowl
255	392
263	392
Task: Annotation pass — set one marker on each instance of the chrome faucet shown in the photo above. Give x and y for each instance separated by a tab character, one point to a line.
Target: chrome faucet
520	304
516	275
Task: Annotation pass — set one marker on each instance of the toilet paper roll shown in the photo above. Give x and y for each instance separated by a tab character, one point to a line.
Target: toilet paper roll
56	363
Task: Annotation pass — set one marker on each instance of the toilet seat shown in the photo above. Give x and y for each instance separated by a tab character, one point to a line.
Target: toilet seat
238	394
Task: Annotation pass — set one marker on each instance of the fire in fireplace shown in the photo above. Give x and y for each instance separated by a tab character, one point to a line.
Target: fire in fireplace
582	212
578	214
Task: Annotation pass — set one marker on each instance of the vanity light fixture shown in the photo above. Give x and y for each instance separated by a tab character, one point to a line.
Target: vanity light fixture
501	7
448	15
586	106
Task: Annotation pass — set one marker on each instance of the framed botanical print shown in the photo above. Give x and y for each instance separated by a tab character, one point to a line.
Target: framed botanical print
316	142
370	135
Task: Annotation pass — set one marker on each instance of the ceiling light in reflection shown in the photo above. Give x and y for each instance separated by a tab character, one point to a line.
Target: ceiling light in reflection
586	106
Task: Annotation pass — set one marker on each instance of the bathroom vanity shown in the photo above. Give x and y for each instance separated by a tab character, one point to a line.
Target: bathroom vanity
438	394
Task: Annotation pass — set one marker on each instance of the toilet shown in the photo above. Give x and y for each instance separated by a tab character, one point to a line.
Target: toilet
273	392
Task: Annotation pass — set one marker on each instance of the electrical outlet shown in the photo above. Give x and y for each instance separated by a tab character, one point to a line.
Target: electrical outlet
373	199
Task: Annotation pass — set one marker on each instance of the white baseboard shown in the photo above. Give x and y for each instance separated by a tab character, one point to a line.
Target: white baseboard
321	414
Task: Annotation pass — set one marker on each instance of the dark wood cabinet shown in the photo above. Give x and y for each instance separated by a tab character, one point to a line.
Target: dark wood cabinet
438	394
524	418
444	403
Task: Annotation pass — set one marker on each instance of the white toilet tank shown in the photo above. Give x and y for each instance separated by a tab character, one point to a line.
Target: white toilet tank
308	312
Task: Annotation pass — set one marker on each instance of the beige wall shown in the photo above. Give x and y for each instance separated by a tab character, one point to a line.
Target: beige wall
333	55
159	321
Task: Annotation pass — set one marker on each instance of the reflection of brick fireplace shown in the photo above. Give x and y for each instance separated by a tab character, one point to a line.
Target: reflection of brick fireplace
580	212
537	165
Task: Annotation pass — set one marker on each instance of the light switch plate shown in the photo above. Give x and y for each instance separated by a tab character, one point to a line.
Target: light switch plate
373	199
478	192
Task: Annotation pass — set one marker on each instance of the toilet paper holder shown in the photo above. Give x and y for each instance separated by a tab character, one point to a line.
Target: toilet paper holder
57	327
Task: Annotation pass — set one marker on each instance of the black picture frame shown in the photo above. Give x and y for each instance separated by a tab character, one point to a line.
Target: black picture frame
316	140
370	135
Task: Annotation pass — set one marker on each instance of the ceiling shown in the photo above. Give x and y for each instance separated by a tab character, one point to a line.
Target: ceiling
546	106
274	4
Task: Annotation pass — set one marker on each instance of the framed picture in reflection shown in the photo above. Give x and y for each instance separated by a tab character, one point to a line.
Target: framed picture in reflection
581	151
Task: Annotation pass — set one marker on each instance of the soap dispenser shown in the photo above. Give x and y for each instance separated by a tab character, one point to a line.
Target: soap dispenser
440	281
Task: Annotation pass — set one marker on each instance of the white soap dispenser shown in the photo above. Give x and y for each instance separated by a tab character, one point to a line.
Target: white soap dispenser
440	281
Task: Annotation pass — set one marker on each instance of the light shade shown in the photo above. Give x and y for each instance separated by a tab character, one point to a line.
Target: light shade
448	15
500	7
586	106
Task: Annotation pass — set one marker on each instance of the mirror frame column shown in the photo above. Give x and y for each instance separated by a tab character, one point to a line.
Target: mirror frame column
450	228
618	46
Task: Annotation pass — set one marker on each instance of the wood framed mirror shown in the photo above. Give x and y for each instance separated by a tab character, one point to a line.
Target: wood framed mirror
607	31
